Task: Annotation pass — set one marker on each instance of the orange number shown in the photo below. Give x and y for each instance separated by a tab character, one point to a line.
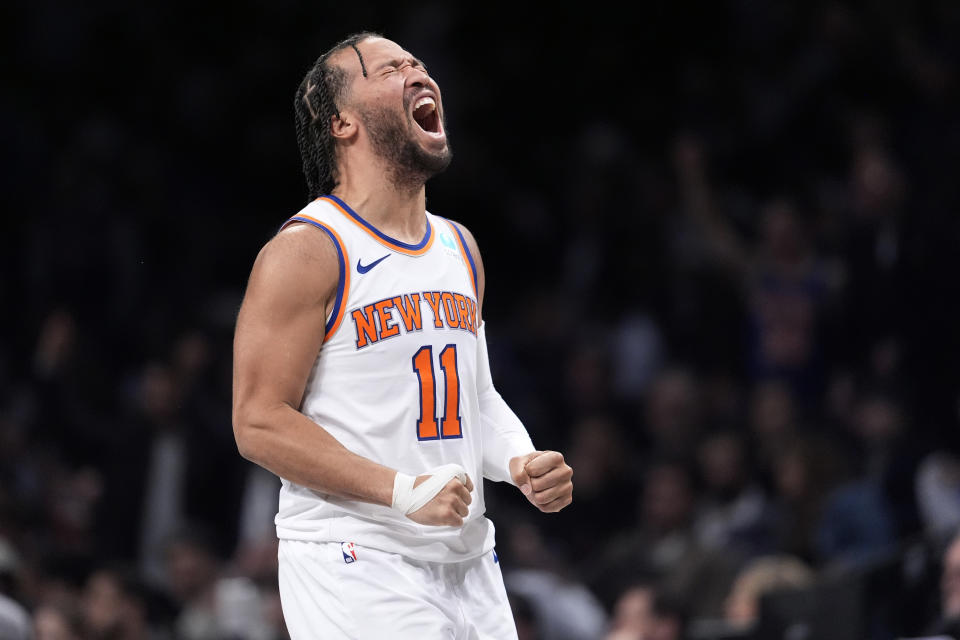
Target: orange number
451	418
423	367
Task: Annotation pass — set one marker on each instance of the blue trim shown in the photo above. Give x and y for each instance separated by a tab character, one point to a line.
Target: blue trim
383	236
466	248
342	270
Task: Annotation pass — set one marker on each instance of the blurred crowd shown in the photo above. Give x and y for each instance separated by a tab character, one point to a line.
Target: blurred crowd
722	259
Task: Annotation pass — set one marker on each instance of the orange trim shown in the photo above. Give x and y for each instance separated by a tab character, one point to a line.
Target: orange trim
466	259
346	271
381	240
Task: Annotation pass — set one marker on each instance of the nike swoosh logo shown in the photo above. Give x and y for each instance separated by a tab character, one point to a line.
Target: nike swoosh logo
364	268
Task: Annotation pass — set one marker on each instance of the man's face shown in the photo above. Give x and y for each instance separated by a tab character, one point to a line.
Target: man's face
399	105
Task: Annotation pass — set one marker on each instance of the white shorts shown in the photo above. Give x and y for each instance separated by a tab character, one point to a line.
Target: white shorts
332	590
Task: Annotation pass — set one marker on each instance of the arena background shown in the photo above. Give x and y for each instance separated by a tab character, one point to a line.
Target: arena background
721	243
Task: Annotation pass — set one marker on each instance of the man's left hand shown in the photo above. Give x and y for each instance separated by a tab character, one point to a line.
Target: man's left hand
544	478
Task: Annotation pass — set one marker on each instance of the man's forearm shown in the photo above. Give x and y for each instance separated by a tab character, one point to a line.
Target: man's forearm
286	442
504	436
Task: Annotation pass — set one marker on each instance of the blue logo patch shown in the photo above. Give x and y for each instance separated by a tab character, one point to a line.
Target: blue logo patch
447	241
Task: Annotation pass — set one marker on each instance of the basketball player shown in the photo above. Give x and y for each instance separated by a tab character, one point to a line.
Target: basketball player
361	375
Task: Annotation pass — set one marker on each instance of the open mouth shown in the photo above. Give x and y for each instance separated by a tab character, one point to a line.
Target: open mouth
426	115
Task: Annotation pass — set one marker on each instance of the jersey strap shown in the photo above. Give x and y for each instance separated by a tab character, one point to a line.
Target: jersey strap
467	256
343	278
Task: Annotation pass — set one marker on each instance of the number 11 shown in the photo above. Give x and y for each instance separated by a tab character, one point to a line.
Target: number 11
423	367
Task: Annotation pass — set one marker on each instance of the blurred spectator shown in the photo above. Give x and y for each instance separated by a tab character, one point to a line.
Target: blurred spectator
805	471
638	355
664	545
53	622
159	460
606	486
788	293
564	609
55	581
9	567
666	512
876	252
14	620
855	525
889	454
633	614
733	514
938	495
773	421
588	378
762	576
949	622
116	606
670	618
212	605
69	392
257	560
164	476
673	412
641	613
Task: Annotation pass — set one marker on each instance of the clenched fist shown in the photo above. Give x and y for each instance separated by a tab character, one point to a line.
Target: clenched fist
544	478
449	507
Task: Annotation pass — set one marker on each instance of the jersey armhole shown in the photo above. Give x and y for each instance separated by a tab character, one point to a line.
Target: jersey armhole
343	276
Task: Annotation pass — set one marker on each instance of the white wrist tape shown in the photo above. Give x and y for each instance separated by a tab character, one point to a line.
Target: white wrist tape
407	499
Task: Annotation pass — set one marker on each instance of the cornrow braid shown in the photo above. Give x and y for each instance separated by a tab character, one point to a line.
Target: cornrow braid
314	106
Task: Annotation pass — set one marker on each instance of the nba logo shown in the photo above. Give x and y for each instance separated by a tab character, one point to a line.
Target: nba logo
349	555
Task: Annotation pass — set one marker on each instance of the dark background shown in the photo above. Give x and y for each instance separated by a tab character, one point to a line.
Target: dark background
729	222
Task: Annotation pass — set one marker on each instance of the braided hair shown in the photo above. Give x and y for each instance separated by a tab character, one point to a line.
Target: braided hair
315	104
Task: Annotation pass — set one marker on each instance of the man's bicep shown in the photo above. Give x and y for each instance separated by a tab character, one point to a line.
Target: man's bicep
280	327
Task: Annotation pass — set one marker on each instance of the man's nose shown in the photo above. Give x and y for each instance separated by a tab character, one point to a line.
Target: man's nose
417	77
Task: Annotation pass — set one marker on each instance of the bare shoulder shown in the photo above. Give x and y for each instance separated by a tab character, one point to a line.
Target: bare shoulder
282	320
474	249
300	262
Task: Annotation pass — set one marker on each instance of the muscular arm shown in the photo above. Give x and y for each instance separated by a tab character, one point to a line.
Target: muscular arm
279	333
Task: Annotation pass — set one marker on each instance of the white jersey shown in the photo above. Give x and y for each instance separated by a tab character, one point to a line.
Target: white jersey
395	382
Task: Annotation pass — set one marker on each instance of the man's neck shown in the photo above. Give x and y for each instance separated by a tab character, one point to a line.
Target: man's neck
397	212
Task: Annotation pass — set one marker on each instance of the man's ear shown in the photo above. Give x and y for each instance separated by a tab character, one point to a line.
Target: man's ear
343	126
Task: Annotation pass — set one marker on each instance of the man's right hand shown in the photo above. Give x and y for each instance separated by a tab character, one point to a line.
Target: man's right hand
449	507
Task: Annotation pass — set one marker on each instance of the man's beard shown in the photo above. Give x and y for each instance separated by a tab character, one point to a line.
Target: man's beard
411	165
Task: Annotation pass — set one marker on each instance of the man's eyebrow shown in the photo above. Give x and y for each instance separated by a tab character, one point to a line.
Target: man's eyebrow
397	62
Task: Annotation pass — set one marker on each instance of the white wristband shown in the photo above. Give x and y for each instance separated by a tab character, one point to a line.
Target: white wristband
407	499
